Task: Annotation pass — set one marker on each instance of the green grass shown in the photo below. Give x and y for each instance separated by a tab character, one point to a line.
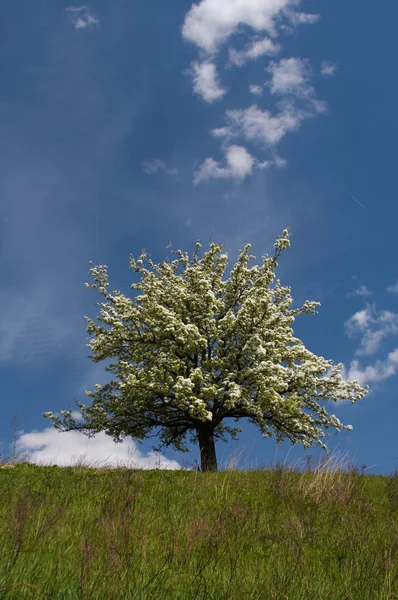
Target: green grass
81	533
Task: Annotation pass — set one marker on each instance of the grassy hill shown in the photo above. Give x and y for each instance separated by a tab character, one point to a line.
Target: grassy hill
76	532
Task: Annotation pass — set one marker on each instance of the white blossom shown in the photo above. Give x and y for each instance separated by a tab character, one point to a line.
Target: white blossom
193	348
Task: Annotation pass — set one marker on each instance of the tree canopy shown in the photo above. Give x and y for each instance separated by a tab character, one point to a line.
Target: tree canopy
194	348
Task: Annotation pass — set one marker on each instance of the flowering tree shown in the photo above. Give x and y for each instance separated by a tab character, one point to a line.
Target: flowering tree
194	349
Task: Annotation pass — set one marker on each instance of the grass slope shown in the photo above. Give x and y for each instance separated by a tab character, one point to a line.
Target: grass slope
80	533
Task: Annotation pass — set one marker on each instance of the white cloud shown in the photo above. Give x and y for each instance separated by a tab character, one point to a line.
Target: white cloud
154	166
265	164
50	447
382	369
328	68
82	17
256	90
372	327
210	23
300	18
239	164
360	320
256	125
362	291
253	51
205	81
291	76
393	289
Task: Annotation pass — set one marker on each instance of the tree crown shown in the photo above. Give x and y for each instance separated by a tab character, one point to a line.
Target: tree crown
194	348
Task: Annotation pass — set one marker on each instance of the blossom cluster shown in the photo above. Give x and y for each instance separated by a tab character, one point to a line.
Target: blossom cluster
194	347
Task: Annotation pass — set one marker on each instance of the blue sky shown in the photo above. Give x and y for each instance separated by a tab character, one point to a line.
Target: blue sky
129	125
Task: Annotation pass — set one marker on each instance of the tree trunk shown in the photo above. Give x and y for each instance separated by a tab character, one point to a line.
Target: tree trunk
207	450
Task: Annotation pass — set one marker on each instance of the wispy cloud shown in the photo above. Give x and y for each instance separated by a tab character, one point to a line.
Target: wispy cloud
83	17
154	166
291	76
393	289
371	327
31	327
206	83
361	291
328	68
261	126
301	18
253	51
256	90
50	196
